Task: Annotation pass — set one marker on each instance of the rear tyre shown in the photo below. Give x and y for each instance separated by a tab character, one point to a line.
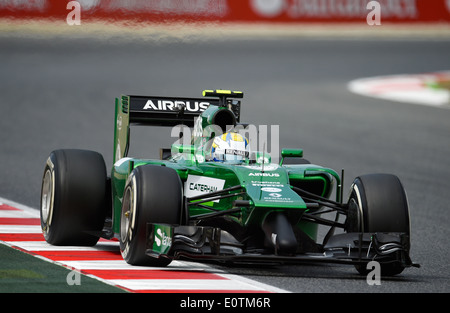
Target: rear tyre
378	203
153	194
73	197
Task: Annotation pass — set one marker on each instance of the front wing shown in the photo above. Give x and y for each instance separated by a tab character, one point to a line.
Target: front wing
210	244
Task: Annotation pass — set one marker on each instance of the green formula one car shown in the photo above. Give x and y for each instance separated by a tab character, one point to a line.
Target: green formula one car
210	198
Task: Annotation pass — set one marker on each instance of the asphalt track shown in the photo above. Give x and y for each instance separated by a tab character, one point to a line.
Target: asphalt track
59	93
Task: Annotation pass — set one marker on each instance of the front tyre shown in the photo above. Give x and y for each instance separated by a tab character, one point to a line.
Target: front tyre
153	194
73	201
378	203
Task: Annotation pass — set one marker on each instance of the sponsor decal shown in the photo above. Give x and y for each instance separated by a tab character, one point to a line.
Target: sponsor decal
237	152
198	185
271	189
202	187
175	105
276	197
264	175
296	9
273	192
267	184
161	238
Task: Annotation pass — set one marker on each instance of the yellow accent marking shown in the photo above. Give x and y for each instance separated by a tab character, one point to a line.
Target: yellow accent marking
223	91
205	91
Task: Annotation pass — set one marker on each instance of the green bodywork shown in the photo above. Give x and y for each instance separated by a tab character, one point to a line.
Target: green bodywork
266	187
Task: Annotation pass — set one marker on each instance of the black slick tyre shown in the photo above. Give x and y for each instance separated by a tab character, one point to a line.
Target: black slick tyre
378	203
73	197
152	194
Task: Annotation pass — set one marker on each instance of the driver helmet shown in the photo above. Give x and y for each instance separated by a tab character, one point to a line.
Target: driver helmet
230	148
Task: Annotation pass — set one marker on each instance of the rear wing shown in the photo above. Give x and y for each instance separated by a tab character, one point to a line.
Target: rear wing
161	111
164	111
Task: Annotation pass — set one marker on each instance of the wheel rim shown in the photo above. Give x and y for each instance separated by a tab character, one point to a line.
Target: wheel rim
48	187
359	207
126	219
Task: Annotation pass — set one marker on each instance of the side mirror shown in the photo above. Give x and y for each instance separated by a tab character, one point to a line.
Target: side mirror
290	153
